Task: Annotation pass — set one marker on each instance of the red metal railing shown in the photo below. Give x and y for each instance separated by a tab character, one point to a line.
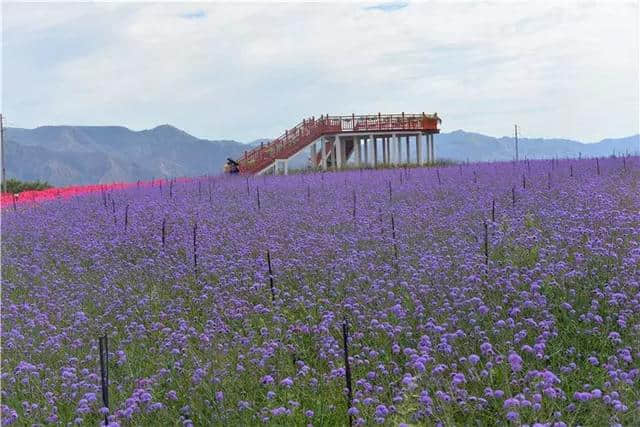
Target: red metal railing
294	140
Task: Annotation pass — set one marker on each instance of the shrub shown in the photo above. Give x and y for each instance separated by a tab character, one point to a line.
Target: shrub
15	186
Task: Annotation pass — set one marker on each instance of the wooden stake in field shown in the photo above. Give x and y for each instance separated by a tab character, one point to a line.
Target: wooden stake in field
571	171
308	192
493	210
354	205
524	182
548	180
258	196
347	368
598	165
247	180
513	196
104	373
126	217
438	174
390	192
164	223
273	291
486	244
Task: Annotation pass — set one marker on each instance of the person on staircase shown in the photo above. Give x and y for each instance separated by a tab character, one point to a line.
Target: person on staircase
231	167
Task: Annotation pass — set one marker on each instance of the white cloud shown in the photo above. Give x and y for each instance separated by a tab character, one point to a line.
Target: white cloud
252	69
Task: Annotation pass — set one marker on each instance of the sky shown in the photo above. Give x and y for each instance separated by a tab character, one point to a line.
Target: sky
251	70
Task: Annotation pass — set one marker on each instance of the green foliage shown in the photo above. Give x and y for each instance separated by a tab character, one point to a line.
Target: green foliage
15	186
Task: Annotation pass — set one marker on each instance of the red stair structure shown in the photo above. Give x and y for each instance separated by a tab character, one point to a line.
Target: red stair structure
294	140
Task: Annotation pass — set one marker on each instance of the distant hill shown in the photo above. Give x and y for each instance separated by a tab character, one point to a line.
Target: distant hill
67	155
461	145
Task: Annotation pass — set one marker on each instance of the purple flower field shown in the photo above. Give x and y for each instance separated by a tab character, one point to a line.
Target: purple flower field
539	324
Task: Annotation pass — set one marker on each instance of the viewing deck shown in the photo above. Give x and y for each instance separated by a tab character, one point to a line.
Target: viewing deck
342	136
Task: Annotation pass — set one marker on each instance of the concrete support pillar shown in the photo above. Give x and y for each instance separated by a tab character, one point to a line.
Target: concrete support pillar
387	160
399	148
425	149
314	160
385	150
356	149
419	149
393	149
325	155
408	151
427	138
286	167
339	152
433	149
374	142
366	152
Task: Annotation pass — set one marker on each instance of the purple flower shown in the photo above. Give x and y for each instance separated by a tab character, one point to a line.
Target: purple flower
287	382
382	411
458	379
486	348
267	379
511	402
280	411
515	361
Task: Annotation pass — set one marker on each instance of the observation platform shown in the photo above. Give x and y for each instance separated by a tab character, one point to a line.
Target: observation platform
365	140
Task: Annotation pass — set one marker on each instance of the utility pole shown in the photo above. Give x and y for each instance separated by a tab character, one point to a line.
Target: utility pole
516	128
4	176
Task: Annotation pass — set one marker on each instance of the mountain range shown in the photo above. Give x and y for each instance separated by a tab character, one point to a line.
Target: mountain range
70	155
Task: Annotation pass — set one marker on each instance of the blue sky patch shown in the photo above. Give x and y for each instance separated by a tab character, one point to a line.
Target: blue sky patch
388	7
198	14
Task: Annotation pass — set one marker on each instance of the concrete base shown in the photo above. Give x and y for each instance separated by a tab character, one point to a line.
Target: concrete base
331	150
